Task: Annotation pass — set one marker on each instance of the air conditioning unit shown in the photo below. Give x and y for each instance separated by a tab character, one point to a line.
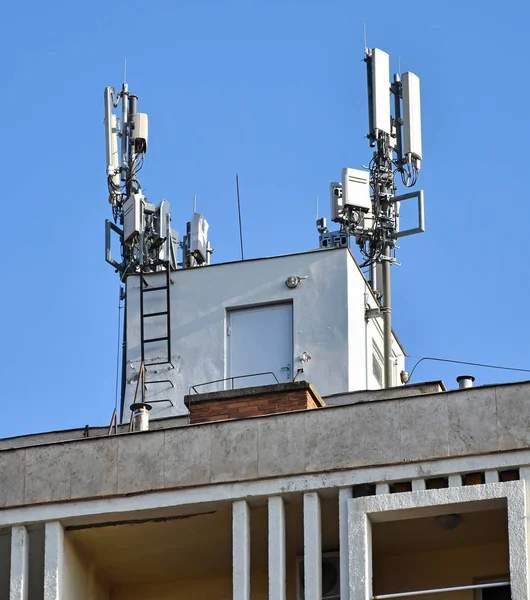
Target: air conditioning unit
330	577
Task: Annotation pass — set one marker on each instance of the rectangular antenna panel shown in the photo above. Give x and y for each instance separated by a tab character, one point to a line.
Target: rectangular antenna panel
113	164
139	132
336	202
111	139
132	216
411	117
380	62
356	189
199	236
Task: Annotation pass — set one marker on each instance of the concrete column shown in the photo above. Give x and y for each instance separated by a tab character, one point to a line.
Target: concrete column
312	547
382	488
455	480
18	578
418	485
53	561
277	574
344	495
240	550
360	550
491	477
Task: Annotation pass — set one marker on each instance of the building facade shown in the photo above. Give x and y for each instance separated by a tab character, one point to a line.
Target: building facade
371	497
313	485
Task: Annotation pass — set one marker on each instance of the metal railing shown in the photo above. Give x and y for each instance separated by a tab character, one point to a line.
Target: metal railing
231	379
477	586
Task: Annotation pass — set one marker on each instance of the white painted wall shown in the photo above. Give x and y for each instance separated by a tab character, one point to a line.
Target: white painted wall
362	334
81	581
328	322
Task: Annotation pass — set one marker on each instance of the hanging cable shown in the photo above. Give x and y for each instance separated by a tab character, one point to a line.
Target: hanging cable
463	362
118	348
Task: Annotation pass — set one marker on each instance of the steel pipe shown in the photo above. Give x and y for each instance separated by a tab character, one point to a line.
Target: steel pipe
479	586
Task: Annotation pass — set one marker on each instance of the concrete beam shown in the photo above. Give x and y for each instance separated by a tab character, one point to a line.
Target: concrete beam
18	578
241	550
277	573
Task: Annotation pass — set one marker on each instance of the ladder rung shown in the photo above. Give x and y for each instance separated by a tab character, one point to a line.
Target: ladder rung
159	362
155	314
154	289
157	339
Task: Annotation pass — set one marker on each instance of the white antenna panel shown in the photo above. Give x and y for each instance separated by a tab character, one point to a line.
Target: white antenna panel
133	210
411	117
380	62
139	132
336	202
356	189
199	236
111	139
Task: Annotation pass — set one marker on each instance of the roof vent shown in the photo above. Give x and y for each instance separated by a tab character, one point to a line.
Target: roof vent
465	381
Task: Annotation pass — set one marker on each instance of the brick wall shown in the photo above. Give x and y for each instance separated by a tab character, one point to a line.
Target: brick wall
252	402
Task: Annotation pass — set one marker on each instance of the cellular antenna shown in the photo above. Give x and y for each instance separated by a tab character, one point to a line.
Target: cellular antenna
365	203
365	46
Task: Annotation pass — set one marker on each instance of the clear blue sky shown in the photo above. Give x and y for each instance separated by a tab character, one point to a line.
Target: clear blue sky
276	91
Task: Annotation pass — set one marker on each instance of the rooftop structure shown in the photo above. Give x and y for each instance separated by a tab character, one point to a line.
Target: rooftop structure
271	449
383	492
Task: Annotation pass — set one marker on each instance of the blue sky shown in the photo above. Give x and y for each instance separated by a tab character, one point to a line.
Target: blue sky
276	91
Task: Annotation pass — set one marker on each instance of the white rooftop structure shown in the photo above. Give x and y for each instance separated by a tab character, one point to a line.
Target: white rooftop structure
296	317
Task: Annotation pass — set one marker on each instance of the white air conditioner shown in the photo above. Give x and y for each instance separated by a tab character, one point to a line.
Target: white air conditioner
330	577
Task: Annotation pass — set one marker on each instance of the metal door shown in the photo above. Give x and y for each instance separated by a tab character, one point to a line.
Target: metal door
260	340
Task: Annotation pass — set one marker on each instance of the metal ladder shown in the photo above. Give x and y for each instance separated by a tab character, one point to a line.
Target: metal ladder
144	318
144	289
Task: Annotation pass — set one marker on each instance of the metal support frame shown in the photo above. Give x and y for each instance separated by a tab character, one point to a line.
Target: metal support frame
110	226
421	213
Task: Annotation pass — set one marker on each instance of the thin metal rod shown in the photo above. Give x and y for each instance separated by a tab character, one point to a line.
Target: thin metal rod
168	309
387	320
239	213
142	331
460	588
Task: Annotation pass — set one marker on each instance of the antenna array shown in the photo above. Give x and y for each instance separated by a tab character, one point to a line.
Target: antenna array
148	243
364	203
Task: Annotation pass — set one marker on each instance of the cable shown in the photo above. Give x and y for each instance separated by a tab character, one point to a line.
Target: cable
463	362
118	350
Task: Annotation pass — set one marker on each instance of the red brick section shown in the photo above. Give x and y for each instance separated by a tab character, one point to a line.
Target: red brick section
252	402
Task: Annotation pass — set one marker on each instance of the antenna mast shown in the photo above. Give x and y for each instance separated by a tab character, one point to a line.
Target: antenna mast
147	242
365	202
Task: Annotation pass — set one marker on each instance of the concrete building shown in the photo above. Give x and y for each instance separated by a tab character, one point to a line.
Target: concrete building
306	483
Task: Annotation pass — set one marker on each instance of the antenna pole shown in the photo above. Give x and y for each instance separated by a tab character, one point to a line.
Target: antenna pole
386	309
239	214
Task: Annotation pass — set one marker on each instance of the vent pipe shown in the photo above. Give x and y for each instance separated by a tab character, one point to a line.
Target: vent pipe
465	381
140	420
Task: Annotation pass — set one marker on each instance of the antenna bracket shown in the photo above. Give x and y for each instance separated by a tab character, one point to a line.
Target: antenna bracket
421	214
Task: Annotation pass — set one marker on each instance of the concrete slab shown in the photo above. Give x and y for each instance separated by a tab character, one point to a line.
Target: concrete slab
140	462
234	450
95	468
187	456
367	434
513	416
47	473
424	427
12	466
472	421
281	448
